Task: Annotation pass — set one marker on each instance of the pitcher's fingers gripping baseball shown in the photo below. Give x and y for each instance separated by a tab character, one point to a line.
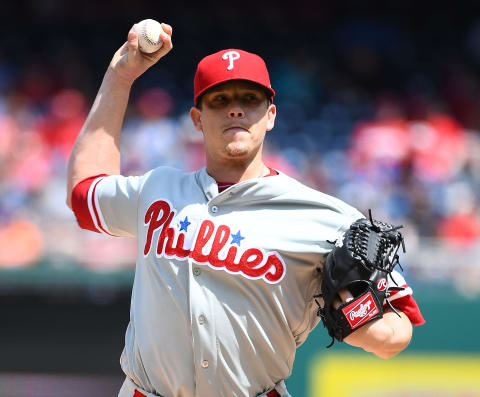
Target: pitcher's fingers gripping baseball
153	37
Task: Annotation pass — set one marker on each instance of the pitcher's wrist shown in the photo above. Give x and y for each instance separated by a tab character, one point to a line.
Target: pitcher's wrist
113	76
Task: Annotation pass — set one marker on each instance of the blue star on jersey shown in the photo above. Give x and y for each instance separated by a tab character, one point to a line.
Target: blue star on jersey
237	238
184	224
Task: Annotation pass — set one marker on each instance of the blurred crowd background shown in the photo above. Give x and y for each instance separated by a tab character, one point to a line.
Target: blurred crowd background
378	104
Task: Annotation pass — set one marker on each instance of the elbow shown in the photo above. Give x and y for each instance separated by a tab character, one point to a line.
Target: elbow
391	345
386	354
70	187
68	201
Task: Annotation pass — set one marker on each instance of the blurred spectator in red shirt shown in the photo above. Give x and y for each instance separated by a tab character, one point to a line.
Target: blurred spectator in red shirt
59	127
459	229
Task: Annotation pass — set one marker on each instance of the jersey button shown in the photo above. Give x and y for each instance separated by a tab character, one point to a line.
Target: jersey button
201	319
197	271
214	209
205	364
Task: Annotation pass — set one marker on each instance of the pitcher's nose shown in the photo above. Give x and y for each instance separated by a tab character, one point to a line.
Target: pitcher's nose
236	113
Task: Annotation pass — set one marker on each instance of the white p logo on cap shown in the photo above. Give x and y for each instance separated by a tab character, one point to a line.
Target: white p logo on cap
231	56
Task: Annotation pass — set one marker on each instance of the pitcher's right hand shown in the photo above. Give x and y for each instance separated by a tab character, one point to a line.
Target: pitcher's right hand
129	62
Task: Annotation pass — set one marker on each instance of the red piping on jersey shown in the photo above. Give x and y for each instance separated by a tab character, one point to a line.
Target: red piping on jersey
99	223
273	393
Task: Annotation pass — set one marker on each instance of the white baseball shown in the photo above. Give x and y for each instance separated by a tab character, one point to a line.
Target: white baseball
148	32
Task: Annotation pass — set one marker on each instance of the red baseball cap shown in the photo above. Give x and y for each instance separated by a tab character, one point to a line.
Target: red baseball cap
228	65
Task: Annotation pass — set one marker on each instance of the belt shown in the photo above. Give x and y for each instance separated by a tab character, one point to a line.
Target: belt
271	393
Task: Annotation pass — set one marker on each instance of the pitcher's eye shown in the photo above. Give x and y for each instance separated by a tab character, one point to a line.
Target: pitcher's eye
251	98
219	98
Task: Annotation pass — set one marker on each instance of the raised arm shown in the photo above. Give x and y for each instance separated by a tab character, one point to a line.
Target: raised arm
97	148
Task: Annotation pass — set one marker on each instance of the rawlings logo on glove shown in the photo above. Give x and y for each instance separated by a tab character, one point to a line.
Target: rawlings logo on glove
360	310
361	263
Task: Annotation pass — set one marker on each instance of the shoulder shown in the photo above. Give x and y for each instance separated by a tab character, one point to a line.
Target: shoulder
154	177
163	171
307	196
165	174
165	179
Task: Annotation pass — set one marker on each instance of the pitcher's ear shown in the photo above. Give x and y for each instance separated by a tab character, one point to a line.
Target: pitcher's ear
196	116
271	114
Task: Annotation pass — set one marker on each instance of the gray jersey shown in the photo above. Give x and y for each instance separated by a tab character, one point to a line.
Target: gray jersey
224	283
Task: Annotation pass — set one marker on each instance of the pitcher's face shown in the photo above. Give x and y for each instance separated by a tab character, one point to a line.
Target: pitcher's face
234	117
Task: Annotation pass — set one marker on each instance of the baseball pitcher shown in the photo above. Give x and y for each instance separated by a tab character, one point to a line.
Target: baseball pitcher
237	262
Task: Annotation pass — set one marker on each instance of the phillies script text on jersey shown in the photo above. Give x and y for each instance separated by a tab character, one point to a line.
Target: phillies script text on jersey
253	263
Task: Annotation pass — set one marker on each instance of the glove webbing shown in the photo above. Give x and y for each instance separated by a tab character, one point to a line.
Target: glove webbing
376	245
